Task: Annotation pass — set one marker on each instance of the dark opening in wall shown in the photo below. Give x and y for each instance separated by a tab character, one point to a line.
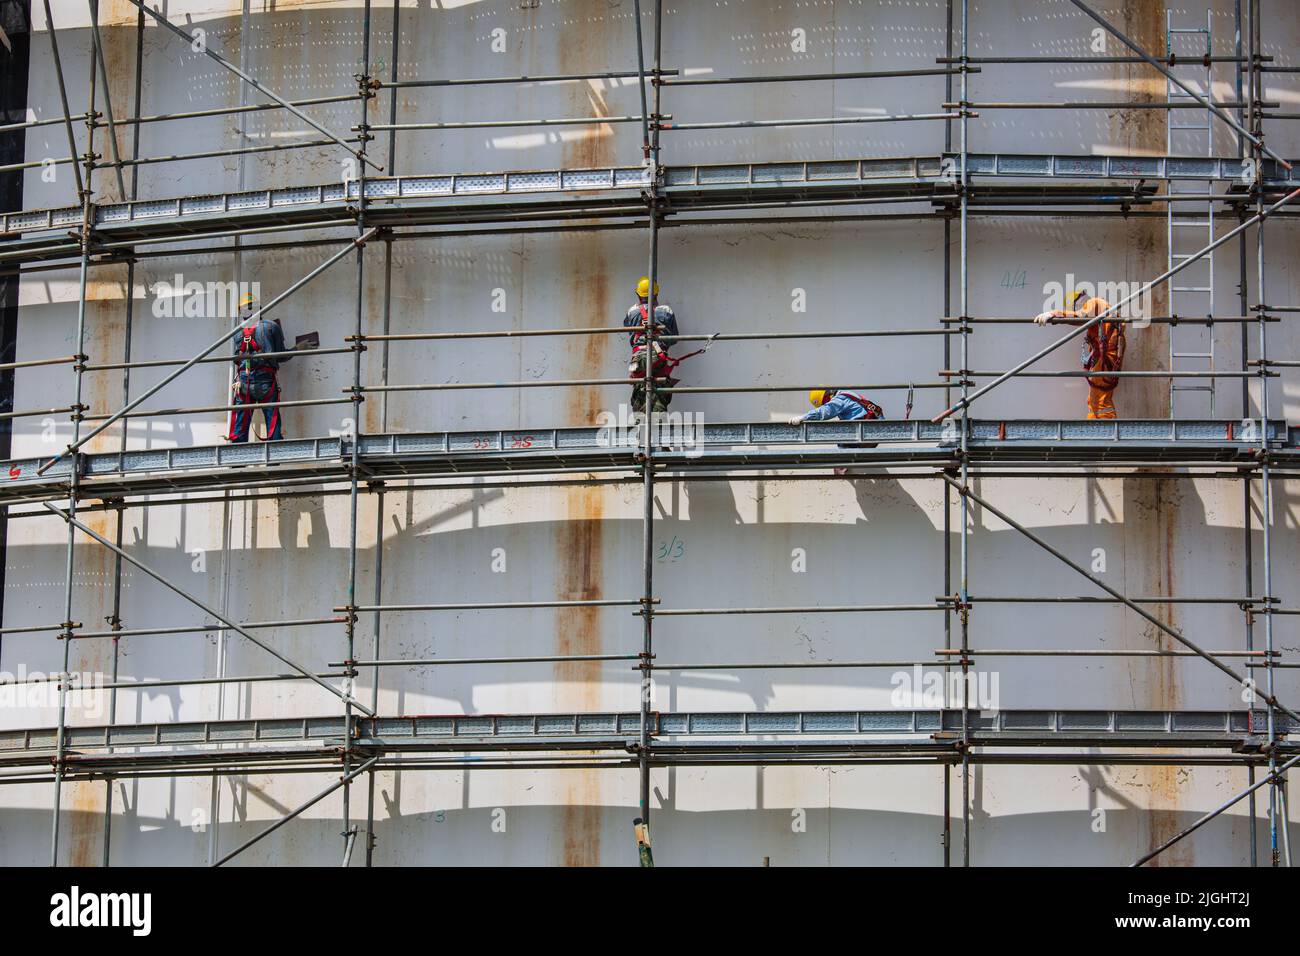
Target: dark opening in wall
15	55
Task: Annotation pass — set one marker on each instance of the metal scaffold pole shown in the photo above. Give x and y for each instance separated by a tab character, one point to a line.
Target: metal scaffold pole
964	299
650	146
946	835
115	620
1243	301
1265	483
365	94
371	842
77	415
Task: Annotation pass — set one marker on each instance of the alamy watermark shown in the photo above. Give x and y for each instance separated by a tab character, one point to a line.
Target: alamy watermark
626	428
918	690
1138	308
201	300
32	690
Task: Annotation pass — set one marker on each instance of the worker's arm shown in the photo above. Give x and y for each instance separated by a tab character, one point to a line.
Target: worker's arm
632	320
277	340
1091	309
666	319
1042	318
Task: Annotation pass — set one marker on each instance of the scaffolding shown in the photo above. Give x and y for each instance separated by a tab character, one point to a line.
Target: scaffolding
381	206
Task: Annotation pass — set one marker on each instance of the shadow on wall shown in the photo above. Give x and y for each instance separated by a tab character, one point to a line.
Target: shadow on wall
838	837
889	551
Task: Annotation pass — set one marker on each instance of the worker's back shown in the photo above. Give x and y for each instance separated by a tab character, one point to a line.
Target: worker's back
258	339
665	318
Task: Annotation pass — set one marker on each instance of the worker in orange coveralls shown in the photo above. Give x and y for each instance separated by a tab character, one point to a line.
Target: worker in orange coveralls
1103	350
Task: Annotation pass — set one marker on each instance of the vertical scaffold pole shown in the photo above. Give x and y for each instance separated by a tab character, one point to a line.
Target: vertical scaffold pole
965	434
391	164
947	490
115	620
365	93
1265	518
651	146
1243	299
74	485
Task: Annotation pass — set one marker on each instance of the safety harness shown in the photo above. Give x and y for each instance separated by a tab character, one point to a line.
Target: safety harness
1103	351
248	346
871	408
664	364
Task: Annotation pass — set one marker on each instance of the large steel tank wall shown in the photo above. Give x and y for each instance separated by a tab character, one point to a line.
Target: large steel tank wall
716	544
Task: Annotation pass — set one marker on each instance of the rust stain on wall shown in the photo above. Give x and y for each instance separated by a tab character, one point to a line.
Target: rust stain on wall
579	544
1151	506
581	50
580	549
92	599
1143	131
105	342
1151	515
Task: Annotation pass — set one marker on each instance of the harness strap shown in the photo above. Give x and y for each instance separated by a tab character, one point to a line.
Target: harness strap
871	408
248	345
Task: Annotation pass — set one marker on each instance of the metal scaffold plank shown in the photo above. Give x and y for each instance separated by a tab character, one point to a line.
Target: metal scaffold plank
468	732
431	198
739	445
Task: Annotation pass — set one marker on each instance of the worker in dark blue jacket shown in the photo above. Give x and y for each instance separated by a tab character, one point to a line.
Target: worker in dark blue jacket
256	379
665	323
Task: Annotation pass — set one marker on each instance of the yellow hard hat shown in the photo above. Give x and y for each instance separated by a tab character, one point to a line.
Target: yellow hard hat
820	396
643	287
1073	297
247	299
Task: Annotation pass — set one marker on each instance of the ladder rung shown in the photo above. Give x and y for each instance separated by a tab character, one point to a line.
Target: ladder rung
1193	354
1192	288
1188	256
1206	126
1192	222
1191	388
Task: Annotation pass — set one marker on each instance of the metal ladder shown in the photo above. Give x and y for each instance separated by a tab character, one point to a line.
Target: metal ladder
1190	223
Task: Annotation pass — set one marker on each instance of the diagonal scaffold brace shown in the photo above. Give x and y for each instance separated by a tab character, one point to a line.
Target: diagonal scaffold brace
1168	74
1277	776
1142	612
343	780
135	403
310	675
253	82
1114	309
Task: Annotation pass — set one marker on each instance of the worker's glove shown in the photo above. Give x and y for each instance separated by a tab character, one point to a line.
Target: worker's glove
796	420
1042	318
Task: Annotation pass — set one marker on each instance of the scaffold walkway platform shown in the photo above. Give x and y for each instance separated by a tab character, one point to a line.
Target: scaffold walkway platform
733	447
817	734
558	194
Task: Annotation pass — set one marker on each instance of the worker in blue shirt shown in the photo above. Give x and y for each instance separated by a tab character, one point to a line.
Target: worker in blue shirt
256	378
829	403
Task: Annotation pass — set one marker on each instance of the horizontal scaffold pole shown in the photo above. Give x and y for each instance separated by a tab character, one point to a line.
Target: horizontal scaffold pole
346	698
1114	309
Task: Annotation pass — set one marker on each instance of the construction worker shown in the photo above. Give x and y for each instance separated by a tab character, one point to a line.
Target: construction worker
665	323
828	403
256	374
1103	349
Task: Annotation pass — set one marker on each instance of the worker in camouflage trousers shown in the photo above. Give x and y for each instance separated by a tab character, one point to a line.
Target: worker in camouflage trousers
665	323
